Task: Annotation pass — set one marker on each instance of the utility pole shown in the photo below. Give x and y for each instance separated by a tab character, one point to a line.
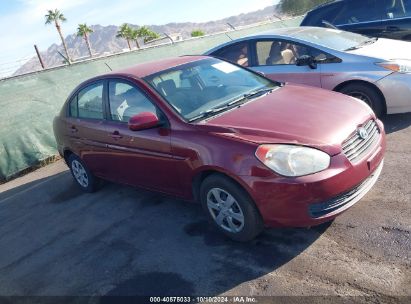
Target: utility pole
231	26
168	36
38	55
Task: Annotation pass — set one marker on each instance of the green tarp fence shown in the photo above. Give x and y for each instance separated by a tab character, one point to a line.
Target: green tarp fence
29	103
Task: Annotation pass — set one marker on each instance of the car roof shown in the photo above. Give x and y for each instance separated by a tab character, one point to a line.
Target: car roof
148	68
285	33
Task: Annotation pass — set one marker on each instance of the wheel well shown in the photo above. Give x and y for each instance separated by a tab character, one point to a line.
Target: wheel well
66	155
366	83
201	176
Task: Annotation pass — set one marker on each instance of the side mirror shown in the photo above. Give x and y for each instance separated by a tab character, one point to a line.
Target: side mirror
306	60
143	121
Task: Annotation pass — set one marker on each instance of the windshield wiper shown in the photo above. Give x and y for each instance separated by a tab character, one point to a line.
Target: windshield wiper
208	113
364	43
229	105
258	93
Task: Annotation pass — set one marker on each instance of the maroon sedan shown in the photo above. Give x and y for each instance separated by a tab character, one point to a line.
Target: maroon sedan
254	152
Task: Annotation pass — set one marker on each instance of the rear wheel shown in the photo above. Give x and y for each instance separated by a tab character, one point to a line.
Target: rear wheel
230	209
81	174
366	94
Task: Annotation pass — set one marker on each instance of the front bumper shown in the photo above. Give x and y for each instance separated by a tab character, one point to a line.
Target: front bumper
345	200
317	198
396	89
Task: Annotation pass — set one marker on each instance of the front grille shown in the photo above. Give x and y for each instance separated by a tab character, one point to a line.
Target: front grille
346	199
355	147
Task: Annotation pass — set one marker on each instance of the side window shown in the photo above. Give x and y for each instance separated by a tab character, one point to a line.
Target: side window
325	13
275	52
396	8
407	7
126	101
73	107
358	11
90	102
237	53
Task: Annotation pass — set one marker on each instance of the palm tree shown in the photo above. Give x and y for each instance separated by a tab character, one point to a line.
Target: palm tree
147	34
56	17
82	31
134	35
125	32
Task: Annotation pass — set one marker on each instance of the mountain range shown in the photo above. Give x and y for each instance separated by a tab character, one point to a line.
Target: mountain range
103	40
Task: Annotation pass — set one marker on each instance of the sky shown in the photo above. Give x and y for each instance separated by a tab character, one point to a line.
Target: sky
22	21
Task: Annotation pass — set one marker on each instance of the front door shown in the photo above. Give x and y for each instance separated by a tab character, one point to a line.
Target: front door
277	60
140	158
362	17
397	19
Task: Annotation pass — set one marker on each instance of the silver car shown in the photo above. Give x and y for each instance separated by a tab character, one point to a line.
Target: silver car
377	71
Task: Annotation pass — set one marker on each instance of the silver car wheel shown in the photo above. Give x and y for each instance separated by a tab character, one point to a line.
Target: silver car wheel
225	210
79	173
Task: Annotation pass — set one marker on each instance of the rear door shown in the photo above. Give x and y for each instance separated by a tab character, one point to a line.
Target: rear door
140	158
238	53
85	126
277	60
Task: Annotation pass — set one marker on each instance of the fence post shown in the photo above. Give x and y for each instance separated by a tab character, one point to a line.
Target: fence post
38	55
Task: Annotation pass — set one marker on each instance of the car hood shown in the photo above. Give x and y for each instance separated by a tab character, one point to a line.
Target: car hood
294	114
386	49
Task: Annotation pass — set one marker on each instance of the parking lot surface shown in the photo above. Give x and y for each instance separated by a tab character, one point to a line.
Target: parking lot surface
55	240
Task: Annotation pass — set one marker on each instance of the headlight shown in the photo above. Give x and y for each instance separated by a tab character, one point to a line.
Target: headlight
291	161
400	66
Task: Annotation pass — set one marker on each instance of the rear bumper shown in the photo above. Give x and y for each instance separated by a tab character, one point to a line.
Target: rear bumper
396	89
318	198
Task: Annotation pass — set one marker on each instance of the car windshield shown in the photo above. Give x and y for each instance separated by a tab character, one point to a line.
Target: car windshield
333	39
202	88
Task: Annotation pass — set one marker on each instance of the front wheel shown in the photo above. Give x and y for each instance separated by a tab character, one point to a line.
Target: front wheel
366	94
230	209
81	174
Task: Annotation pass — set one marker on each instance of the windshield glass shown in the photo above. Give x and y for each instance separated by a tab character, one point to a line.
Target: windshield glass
333	39
207	85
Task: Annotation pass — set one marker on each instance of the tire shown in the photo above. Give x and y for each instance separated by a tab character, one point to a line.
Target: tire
81	174
247	222
366	94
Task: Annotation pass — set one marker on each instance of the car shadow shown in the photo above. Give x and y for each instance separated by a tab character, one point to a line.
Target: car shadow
396	122
122	241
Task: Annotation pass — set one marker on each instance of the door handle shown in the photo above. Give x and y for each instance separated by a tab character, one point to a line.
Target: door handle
73	129
392	28
116	135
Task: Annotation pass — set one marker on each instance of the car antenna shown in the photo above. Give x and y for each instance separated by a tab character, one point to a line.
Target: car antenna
108	66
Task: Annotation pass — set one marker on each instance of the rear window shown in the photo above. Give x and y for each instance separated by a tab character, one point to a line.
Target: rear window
333	39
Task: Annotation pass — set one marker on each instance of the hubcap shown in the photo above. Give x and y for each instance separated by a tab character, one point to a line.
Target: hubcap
225	210
79	173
